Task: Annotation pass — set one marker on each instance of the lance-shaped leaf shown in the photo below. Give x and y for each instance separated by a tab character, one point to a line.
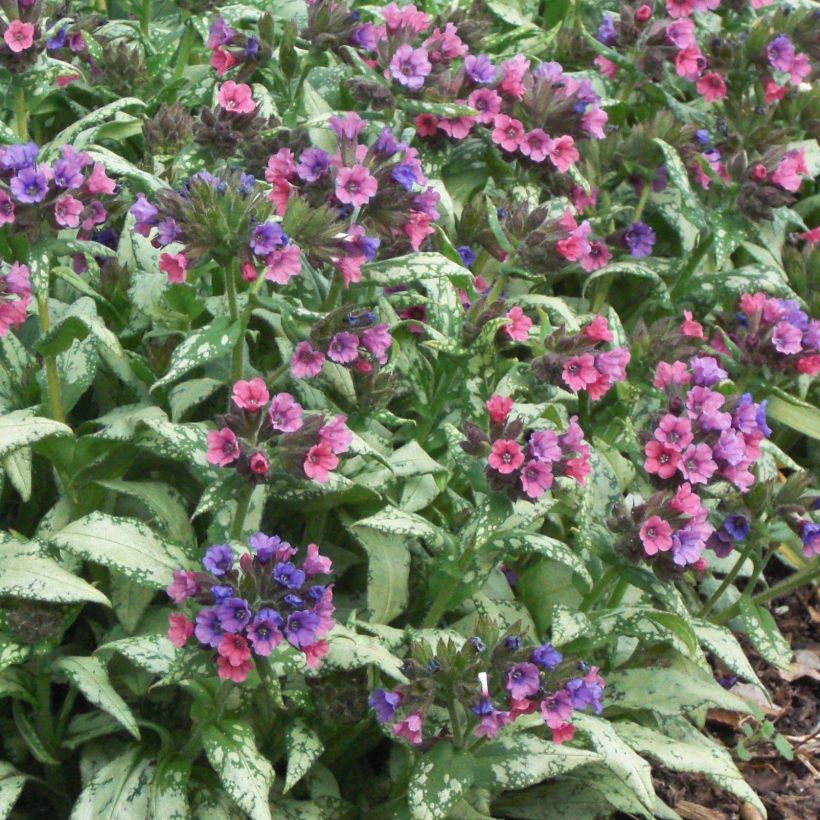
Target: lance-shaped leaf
119	789
304	748
11	784
439	781
21	427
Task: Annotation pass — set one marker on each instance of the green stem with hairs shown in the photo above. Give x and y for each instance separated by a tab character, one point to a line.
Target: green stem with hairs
455	723
145	17
242	505
598	589
20	112
439	605
698	252
55	399
232	269
642	200
184	52
732	574
191	749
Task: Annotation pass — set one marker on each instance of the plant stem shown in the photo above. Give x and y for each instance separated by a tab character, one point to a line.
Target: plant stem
439	605
698	252
732	574
145	17
191	749
55	399
598	589
455	724
230	289
242	505
20	113
642	200
184	52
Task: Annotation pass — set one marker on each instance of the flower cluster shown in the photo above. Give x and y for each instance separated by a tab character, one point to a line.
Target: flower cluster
245	608
15	296
349	204
496	679
230	48
263	430
580	361
36	197
524	463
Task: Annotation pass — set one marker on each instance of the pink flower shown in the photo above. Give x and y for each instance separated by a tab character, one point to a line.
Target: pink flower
487	102
505	456
518	327
809	365
235	649
355	186
536	145
285	413
98	182
606	66
661	459
223	447
595	257
691	328
19	36
179	629
598	330
674	432
507	132
426	125
579	372
512	74
457	127
787	338
279	195
336	435
563	153
175	265
772	92
681	33
417	228
227	671
315	652
283	264
67	211
222	61
183	586
790	169
697	465
671	374
711	87
593	122
251	395
685	501
259	464
680	8
543	446
656	535
536	478
320	461
799	69
235	97
499	408
280	164
410	727
305	363
316	564
689	62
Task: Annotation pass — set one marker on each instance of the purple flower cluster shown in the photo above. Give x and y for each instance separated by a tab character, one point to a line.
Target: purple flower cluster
521	680
245	608
265	429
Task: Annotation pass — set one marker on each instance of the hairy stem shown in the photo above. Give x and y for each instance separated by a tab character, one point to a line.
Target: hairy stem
230	290
242	505
20	112
55	399
732	574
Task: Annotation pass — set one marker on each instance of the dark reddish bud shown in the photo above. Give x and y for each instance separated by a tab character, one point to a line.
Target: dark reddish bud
758	172
259	464
643	13
246	563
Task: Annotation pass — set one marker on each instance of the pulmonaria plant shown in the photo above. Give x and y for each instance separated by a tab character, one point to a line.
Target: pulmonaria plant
40	199
524	463
580	361
242	608
263	432
486	684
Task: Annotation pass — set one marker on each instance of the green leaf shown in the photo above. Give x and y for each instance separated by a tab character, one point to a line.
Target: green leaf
216	341
11	784
245	774
17	465
691	206
394	521
303	749
349	650
415	267
123	544
799	415
169	791
116	165
120	789
153	653
21	427
91	678
521	760
722	643
764	634
439	781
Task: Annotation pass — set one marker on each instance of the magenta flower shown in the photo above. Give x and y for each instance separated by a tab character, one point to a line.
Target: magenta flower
19	36
505	456
376	341
305	363
67	211
507	132
183	586
223	447
250	395
661	459
563	153
536	145
336	435
410	66
786	338
285	413
175	266
98	182
674	432
319	462
355	186
235	97
656	535
697	465
344	348
518	326
543	446
487	103
536	478
283	264
409	728
579	372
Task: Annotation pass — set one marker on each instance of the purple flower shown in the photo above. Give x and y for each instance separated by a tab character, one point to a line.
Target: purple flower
284	413
220	34
479	69
702	136
586	692
707	370
546	656
29	186
410	66
405	175
364	37
639	239
384	704
810	536
234	614
294	601
268	547
787	338
348	127
251	49
606	31
523	680
208	629
144	213
18	156
57	40
737	526
687	545
167	232
266	238
313	164
67	172
550	72
697	465
218	559
344	348
288	576
731	447
301	628
467	255
221	592
780	53
720	543
264	633
760	419
387	145
376	341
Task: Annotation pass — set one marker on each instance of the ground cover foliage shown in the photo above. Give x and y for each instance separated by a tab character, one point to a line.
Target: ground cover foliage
405	411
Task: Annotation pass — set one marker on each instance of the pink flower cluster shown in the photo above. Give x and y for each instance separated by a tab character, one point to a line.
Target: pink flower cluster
359	348
526	469
580	360
308	447
788	173
239	610
15	296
